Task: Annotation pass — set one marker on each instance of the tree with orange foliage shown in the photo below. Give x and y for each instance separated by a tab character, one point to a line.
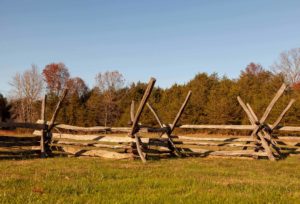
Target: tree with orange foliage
253	69
56	76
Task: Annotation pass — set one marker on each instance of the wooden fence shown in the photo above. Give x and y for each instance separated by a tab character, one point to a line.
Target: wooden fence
262	143
140	141
20	147
262	140
153	147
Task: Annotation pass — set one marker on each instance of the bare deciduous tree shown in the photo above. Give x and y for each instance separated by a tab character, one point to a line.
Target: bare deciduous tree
26	90
32	82
110	80
289	65
108	83
17	96
77	86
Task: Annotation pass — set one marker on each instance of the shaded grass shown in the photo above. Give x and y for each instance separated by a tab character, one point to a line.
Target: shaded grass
193	180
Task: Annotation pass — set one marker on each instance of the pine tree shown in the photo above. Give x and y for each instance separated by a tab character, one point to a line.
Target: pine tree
5	109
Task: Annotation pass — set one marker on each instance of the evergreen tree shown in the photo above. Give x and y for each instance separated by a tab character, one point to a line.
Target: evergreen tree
222	104
5	109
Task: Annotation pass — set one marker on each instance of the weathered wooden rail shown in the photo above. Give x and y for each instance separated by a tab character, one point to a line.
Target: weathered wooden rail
239	127
123	147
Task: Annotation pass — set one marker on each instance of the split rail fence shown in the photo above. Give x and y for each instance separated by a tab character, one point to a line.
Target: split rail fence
262	143
146	142
39	145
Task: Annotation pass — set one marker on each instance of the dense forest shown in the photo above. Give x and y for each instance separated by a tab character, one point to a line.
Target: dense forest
213	101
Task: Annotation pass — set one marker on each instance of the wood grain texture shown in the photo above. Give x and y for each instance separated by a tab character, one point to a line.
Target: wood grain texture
141	106
276	123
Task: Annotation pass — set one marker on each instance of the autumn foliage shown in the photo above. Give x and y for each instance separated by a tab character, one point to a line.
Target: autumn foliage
56	76
213	101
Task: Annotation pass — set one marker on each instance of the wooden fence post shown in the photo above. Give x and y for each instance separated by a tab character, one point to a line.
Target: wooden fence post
56	111
134	128
45	130
132	107
171	128
48	134
252	118
155	115
260	129
187	98
276	123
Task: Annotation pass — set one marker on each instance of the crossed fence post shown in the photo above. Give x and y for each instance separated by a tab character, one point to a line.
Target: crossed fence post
171	127
46	135
136	118
168	128
262	133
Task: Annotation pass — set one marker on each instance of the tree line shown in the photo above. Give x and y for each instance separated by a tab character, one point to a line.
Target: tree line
213	101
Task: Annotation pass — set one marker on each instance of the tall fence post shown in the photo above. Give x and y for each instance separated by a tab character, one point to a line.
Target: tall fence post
47	133
45	129
134	128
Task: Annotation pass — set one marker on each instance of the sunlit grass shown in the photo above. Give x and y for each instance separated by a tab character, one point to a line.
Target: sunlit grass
92	180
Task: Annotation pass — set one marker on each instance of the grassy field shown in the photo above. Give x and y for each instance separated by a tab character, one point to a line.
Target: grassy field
193	180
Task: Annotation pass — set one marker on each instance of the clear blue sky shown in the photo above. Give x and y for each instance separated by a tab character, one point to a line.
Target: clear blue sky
168	39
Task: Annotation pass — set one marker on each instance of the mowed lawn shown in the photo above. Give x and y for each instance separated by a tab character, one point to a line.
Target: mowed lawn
190	180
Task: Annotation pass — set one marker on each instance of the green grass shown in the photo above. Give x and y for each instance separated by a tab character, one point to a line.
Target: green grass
193	180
